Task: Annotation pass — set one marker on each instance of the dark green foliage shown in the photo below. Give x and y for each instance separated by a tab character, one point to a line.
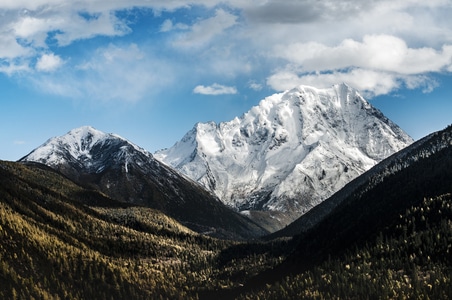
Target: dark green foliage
59	240
422	169
393	225
410	259
388	240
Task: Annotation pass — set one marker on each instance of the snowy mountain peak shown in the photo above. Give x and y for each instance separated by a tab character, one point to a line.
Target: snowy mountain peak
86	147
290	152
125	172
81	140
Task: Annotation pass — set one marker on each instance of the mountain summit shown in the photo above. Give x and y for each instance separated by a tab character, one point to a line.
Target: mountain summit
88	150
128	173
289	153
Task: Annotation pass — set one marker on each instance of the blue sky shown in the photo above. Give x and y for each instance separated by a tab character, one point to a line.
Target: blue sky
149	70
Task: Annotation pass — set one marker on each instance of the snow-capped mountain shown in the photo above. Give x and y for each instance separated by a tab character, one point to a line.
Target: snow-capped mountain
290	152
128	173
433	151
89	150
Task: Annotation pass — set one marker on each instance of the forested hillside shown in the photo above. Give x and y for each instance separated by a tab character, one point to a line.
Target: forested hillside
390	239
59	240
411	259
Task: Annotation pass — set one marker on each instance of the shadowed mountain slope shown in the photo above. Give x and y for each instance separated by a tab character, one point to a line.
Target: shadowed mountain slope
128	173
388	233
421	170
60	240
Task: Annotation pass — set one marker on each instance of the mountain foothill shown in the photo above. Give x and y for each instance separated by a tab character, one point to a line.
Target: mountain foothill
312	194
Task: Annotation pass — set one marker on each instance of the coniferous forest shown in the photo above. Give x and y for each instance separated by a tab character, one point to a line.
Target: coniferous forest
62	241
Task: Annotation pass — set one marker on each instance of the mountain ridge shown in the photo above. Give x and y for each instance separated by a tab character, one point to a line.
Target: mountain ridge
391	239
289	153
419	150
128	173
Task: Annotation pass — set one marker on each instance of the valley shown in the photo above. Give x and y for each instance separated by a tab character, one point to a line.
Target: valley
61	240
90	215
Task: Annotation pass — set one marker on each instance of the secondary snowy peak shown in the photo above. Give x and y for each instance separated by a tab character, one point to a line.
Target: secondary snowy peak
88	148
290	152
114	166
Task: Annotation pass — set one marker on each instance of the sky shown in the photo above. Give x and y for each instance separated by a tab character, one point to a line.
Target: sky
148	70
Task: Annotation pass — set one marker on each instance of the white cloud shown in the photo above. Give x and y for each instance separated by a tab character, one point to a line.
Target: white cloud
214	89
255	86
376	52
105	23
41	17
379	46
48	62
370	82
205	30
168	25
116	73
12	67
34	30
10	48
378	65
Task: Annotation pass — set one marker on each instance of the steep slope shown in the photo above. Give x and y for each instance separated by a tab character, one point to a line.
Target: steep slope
409	259
128	173
400	164
59	240
49	232
390	236
289	153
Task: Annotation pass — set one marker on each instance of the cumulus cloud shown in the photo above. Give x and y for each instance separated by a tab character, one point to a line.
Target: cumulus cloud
379	46
10	48
379	64
377	52
105	23
214	89
68	22
371	82
34	30
48	62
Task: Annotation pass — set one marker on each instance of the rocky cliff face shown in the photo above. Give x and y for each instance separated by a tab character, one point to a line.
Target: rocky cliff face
289	153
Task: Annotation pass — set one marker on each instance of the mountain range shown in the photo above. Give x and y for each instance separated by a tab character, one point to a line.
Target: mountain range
389	237
114	222
387	234
125	172
289	153
273	164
